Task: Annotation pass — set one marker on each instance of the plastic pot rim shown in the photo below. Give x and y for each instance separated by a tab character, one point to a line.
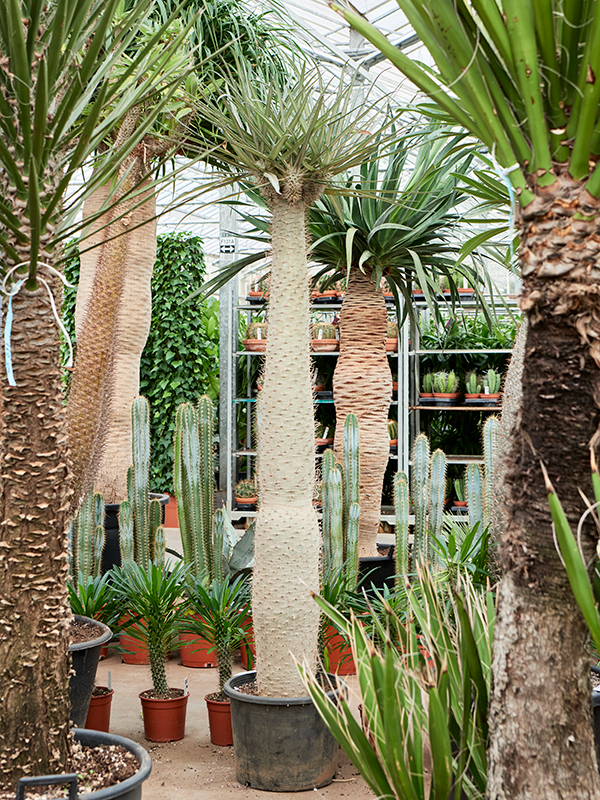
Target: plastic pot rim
248	677
104	638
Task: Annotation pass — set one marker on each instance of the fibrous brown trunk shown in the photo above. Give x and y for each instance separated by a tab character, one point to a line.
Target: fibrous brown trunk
286	620
362	384
541	736
134	252
34	490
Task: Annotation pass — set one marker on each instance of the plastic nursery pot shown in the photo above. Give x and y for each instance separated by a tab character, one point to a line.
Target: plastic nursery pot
219	722
445	398
375	571
85	657
164	719
98	716
111	555
281	743
341	661
472	399
391	345
489	399
246	501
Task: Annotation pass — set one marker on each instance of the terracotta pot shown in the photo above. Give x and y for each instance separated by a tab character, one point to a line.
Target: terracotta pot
103	652
164	720
472	396
319	388
460	503
98	716
329	293
466	291
219	722
324	345
446	395
393	442
323	442
193	652
256	294
246	501
391	345
341	660
493	398
171	517
255	345
394	386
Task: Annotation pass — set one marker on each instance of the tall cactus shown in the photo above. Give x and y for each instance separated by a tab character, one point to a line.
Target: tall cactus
436	493
420	494
402	510
490	435
474	494
87	538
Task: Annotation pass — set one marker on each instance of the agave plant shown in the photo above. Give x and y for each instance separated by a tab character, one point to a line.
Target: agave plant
521	76
58	77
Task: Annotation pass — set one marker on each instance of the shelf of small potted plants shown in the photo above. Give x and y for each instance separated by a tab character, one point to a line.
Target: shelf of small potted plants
256	337
324	338
324	436
246	494
324	290
259	291
446	388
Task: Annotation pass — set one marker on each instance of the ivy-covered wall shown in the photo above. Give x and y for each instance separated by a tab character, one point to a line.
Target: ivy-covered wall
181	359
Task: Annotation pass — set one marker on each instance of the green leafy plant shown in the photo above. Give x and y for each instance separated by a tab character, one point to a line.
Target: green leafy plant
152	596
219	614
459	489
94	597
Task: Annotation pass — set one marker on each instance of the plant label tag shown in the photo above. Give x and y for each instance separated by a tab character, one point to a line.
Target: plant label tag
259	333
325	432
320	336
186	690
486	389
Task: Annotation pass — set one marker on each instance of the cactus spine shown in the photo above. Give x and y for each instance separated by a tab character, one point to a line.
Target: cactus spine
436	493
474	494
420	492
402	509
87	538
491	429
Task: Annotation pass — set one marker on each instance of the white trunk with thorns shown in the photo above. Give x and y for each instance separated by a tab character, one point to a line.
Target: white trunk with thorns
286	620
138	251
362	384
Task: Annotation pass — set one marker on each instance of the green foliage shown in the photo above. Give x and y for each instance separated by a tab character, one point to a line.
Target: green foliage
94	597
180	362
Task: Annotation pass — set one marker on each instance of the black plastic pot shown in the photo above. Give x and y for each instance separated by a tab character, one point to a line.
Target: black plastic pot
111	555
375	571
281	744
596	713
131	789
85	657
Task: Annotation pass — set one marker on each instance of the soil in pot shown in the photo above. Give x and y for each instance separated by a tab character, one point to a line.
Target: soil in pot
219	719
98	716
164	717
87	638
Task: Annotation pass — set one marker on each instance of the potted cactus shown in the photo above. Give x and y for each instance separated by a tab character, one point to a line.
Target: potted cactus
391	342
256	337
324	436
324	338
259	291
459	490
491	388
326	290
246	494
426	396
219	615
393	433
445	388
473	386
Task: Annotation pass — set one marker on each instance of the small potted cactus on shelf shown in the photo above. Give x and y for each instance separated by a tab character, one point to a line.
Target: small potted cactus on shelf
460	492
491	388
445	388
426	396
324	436
259	291
393	434
473	385
324	338
256	337
246	494
391	342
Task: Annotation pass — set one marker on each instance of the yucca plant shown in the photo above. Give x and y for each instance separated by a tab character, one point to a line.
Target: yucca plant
521	76
424	695
60	97
291	135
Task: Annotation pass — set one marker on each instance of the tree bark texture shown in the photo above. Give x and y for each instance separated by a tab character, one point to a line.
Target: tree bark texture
113	320
134	252
541	736
35	489
286	619
362	384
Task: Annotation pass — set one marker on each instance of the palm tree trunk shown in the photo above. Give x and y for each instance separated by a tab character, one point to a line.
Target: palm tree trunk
134	252
113	320
35	488
287	533
541	736
362	384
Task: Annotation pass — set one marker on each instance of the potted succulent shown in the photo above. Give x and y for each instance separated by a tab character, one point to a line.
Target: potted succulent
491	388
324	436
324	338
445	388
472	388
219	615
153	599
426	396
256	337
259	291
326	290
460	491
393	433
391	342
246	494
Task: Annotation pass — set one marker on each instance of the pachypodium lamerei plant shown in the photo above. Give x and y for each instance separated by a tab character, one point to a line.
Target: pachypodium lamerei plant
141	534
87	538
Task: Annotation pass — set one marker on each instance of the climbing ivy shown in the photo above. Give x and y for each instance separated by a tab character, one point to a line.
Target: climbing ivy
180	362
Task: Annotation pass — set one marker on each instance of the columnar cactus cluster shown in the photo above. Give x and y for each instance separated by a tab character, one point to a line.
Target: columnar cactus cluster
87	538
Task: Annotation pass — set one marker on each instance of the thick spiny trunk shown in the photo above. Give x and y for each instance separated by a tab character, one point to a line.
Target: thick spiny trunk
286	620
35	489
112	318
362	384
541	738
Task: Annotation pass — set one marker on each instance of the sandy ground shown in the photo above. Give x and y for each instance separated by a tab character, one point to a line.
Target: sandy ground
195	769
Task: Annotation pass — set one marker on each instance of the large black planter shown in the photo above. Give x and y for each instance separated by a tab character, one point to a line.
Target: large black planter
375	571
85	657
111	555
281	744
131	789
